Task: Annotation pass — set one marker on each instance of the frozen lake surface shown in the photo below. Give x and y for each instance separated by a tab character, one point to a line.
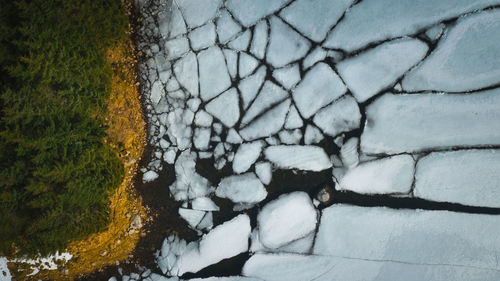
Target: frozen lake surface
347	140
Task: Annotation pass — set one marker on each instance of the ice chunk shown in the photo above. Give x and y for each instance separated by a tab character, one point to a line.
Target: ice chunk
314	18
418	122
149	176
247	64
339	117
178	131
268	124
435	32
157	92
290	136
320	86
198	12
468	177
269	95
186	71
203	36
293	119
287	76
177	47
246	155
241	42
349	153
225	107
302	157
207	222
367	21
290	217
391	175
249	12
466	58
259	41
201	138
227	28
264	172
245	188
172	25
193	104
204	204
249	87
233	136
229	278
376	69
313	135
193	217
188	183
224	241
409	236
214	78
318	54
299	246
231	61
203	119
285	45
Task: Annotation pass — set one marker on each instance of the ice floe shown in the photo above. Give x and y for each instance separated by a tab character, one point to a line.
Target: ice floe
214	78
469	177
225	107
341	116
246	155
245	188
249	12
267	124
302	157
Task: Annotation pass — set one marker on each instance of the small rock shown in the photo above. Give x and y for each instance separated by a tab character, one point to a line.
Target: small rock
103	253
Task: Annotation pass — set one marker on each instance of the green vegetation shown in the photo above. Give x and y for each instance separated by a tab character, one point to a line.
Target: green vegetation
56	172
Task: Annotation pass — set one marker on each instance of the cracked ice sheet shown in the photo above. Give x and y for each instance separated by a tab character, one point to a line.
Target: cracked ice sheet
249	12
469	177
376	20
408	122
466	58
387	175
410	236
293	267
370	72
302	157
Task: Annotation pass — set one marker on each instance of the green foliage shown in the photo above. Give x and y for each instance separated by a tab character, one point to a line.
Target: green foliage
56	173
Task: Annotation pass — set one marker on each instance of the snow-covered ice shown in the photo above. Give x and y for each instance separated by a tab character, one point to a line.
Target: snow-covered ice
241	42
198	12
318	54
246	155
246	65
466	58
259	41
269	95
469	177
264	172
320	86
231	61
288	218
376	69
302	157
293	119
245	188
177	47
214	78
249	12
409	236
225	107
203	119
290	136
285	45
409	123
391	175
203	36
314	18
267	124
377	20
312	135
341	116
287	76
233	137
201	138
186	71
224	241
227	28
249	87
188	183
